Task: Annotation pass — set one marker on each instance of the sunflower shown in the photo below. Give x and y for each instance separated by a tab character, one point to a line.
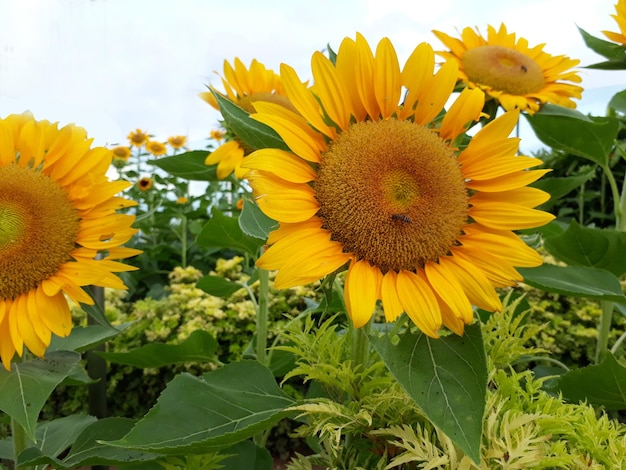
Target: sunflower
245	87
156	148
375	182
177	141
511	72
218	134
144	184
59	230
138	138
620	19
121	152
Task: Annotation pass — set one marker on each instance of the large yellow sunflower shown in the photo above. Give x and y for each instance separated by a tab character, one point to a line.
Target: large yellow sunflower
59	229
620	19
244	87
510	71
375	181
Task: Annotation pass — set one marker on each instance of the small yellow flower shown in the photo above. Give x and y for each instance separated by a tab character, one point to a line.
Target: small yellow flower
156	148
177	141
218	134
620	19
144	184
138	138
121	152
182	200
511	72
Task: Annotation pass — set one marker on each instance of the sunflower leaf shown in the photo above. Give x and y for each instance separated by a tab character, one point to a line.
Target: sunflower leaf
586	246
200	346
88	450
576	281
200	414
25	389
224	232
447	379
609	50
188	165
571	131
618	102
254	222
254	133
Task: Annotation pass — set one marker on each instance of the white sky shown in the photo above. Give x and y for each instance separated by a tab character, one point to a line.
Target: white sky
115	65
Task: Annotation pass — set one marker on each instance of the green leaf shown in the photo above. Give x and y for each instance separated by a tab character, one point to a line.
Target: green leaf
25	389
603	384
571	131
197	415
247	455
447	379
87	449
189	166
224	232
577	281
96	312
618	102
84	338
614	52
594	247
560	186
200	346
218	286
255	134
254	222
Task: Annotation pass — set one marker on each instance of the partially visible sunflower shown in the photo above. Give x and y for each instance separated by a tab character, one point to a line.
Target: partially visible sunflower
156	148
182	200
620	19
121	152
218	134
245	87
511	72
375	181
177	141
138	138
59	230
144	184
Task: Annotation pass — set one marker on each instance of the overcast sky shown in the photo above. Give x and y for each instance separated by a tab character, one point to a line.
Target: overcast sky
115	65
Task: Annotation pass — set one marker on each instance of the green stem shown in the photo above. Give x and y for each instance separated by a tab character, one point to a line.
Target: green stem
262	314
620	223
620	213
359	352
183	240
604	328
20	442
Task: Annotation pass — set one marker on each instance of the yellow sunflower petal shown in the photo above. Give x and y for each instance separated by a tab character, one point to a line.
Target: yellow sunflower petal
365	76
330	90
419	302
362	286
466	109
415	75
445	285
347	73
479	290
387	78
389	295
283	164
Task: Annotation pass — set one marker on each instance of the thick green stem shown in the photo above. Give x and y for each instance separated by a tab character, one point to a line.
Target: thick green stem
620	213
620	223
20	442
183	240
360	345
261	317
604	328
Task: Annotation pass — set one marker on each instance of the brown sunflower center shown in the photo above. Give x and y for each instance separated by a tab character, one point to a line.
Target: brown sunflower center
392	193
504	69
38	229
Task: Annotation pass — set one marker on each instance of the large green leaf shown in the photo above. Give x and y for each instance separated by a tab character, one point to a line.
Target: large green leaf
614	52
447	379
189	166
254	222
200	346
603	384
618	102
84	338
196	415
569	130
224	232
257	135
560	186
218	286
87	449
25	389
246	455
584	246
577	281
